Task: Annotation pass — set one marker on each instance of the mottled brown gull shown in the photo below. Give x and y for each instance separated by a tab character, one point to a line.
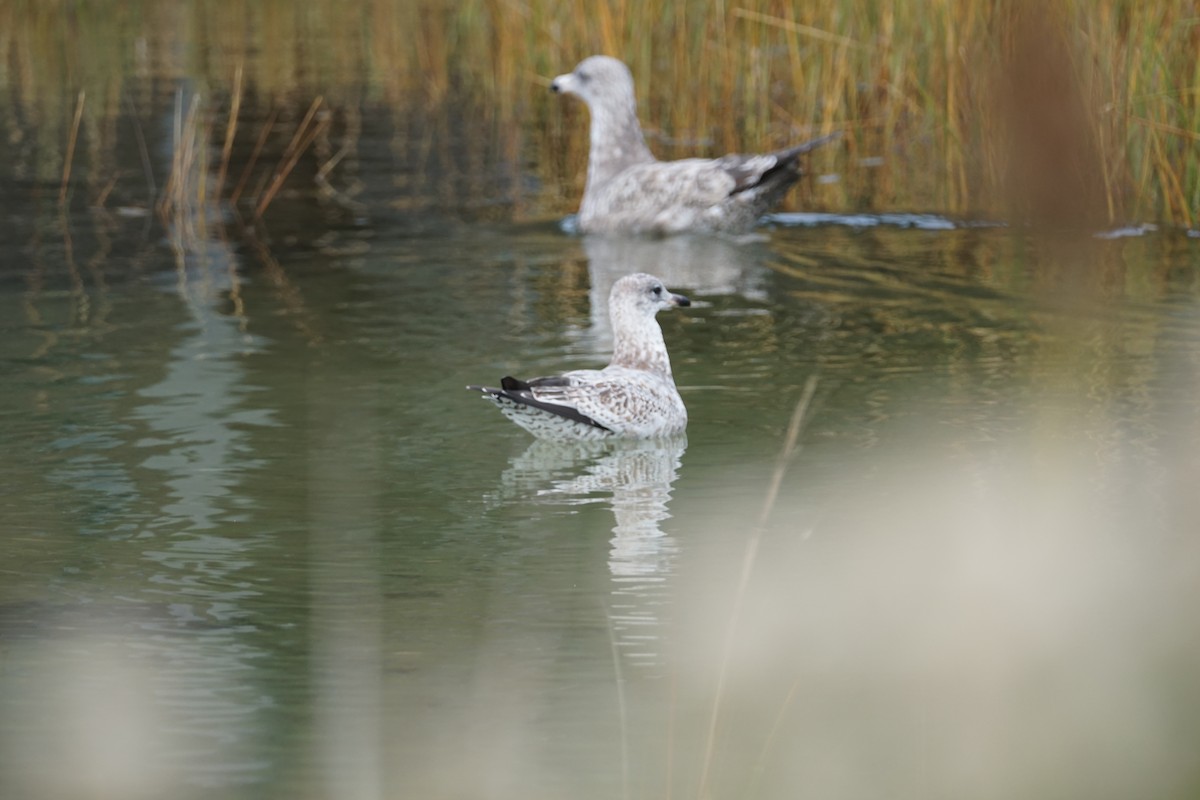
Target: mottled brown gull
629	190
633	397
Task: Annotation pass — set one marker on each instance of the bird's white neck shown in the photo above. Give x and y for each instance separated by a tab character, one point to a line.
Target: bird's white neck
616	143
638	344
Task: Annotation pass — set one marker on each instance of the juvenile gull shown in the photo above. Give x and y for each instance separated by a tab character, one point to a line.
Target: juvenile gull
633	397
629	190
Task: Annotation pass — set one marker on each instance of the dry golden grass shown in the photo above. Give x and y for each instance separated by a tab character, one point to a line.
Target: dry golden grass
1070	111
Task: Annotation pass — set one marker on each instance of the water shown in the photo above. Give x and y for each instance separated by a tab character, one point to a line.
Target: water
260	542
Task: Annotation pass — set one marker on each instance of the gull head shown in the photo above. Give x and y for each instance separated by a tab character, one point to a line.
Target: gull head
643	294
598	81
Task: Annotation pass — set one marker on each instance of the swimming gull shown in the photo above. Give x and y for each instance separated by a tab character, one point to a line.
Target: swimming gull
633	397
629	190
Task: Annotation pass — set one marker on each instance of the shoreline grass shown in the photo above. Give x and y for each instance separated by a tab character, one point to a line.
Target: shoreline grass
1074	112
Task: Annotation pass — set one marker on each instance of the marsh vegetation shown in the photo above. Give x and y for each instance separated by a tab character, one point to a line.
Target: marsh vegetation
1071	112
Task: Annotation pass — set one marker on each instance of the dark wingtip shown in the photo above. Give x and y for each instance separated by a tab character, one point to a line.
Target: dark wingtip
521	392
507	384
801	149
511	384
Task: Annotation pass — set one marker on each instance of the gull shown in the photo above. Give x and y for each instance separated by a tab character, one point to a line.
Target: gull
630	191
634	397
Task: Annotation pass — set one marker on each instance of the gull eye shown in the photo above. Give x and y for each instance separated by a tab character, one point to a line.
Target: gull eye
658	290
583	76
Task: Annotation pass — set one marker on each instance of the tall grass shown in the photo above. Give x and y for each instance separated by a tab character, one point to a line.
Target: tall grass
1075	111
1015	106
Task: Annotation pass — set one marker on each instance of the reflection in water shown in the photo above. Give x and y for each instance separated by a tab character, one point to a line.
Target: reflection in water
636	478
139	662
706	265
196	406
347	631
196	414
988	531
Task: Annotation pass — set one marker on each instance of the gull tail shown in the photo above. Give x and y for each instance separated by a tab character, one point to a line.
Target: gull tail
792	153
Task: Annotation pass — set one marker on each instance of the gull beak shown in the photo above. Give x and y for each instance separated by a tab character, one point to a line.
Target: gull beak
561	84
680	300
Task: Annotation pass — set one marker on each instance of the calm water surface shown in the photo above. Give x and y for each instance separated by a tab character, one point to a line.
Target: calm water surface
259	541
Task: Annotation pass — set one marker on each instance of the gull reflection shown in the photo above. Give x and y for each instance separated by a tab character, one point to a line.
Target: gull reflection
635	477
706	265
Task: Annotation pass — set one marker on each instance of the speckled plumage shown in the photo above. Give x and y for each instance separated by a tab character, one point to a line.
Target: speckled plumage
629	190
633	397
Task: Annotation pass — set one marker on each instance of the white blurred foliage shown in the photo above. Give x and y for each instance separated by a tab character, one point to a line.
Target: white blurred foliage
1014	629
87	725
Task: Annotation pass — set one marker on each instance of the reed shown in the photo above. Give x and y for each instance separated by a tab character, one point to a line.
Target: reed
305	134
1076	111
230	129
70	157
749	557
934	106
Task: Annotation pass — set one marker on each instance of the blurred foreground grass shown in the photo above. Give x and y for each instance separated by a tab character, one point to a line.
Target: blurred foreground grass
1069	112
